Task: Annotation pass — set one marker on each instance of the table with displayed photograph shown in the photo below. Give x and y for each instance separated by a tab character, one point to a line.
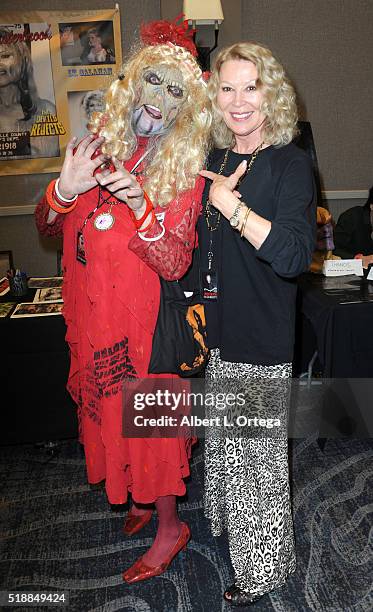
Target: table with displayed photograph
37	406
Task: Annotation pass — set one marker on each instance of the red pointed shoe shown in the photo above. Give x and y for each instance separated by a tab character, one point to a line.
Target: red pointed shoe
135	522
140	571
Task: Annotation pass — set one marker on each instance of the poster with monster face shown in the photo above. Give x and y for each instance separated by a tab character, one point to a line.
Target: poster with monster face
54	70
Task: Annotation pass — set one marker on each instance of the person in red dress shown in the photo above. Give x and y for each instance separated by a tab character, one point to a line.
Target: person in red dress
123	226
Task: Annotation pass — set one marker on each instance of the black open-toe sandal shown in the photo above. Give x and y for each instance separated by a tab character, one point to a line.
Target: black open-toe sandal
237	597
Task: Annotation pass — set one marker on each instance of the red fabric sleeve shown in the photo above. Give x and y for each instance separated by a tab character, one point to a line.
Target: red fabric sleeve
171	255
41	215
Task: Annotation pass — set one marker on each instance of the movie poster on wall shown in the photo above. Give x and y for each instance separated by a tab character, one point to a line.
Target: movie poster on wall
54	70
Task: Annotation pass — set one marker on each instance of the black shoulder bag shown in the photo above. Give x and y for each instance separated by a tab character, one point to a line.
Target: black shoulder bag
179	341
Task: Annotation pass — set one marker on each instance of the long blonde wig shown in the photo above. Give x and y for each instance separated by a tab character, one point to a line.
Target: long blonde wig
279	104
181	151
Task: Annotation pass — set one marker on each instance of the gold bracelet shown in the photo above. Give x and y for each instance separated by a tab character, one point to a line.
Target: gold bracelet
244	221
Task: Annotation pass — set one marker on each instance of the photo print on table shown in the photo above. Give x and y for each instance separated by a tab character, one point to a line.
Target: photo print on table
5	308
4	286
40	309
51	294
45	283
6	262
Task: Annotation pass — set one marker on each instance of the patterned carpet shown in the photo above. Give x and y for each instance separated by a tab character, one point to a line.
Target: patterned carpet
58	533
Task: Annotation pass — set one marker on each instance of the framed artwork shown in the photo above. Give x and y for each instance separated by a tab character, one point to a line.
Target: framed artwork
63	61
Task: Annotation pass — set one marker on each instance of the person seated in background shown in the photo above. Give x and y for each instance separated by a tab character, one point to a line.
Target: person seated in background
353	234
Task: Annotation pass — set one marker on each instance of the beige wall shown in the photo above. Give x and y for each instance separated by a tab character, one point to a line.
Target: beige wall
327	48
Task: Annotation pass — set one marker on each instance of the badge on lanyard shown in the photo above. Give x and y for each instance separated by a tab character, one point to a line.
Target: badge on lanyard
209	284
104	221
80	250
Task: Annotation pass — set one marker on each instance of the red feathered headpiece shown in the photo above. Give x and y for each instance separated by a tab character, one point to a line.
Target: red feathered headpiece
163	32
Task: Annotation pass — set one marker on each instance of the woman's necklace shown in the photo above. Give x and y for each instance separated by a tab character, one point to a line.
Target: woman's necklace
213	216
104	221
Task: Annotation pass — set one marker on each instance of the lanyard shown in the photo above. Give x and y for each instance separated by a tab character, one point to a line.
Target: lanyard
101	200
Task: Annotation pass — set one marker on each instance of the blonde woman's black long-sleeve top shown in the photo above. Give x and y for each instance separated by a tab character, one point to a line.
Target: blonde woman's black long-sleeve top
253	319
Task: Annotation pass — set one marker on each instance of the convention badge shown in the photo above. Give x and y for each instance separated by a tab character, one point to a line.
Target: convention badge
80	251
104	221
209	284
160	216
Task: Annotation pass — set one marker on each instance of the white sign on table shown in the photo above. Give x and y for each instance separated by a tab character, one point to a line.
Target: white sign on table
342	267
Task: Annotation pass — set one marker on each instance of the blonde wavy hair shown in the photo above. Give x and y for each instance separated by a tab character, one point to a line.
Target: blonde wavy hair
279	103
181	151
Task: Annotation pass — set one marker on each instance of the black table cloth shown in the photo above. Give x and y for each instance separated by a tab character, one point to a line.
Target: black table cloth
341	314
35	404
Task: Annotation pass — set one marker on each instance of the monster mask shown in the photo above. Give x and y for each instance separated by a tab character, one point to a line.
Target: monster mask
162	95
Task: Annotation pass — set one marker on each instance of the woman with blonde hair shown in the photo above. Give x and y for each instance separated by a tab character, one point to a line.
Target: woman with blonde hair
20	103
256	235
96	51
123	227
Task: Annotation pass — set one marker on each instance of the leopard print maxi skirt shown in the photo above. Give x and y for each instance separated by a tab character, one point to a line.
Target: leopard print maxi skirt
247	479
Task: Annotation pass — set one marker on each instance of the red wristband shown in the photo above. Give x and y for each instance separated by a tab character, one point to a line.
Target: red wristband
150	224
52	198
149	208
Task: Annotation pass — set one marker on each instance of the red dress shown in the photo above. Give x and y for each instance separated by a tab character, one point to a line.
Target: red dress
110	307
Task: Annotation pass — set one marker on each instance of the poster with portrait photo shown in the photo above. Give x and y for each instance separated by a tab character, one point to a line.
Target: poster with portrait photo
87	43
29	127
45	57
82	104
